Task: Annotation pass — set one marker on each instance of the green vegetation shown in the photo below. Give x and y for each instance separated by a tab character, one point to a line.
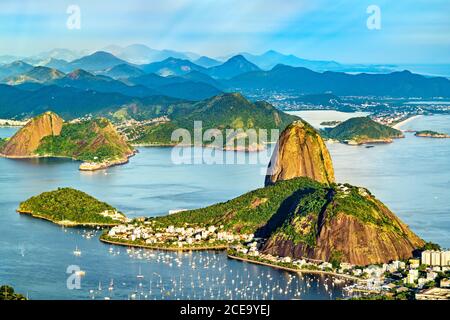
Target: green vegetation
92	140
158	134
289	210
316	206
70	206
2	142
227	111
7	293
247	213
430	246
431	134
361	130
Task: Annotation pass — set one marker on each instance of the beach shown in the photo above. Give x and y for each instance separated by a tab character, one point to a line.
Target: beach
403	122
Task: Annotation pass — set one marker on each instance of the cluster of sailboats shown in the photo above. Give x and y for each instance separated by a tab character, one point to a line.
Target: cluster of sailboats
209	275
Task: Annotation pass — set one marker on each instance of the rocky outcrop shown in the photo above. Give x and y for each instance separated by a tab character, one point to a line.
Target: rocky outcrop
25	142
300	152
353	227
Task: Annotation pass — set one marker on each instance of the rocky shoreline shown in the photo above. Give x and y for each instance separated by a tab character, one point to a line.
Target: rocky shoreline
94	166
68	223
434	135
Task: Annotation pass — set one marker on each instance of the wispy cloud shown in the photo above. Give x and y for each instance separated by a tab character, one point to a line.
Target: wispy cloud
321	29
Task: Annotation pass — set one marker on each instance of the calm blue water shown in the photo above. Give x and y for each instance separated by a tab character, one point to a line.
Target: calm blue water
35	254
412	176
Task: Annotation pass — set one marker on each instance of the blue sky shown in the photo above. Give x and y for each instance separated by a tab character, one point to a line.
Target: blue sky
412	31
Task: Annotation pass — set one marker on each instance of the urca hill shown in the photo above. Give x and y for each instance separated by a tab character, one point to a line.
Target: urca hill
95	142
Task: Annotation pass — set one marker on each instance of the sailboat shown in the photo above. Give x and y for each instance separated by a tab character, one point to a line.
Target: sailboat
111	285
140	275
77	252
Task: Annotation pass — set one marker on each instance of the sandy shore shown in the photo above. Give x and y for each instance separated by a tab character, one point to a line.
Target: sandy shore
402	123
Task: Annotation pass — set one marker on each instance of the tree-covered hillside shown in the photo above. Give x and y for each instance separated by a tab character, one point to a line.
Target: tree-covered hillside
93	141
67	204
360	130
227	111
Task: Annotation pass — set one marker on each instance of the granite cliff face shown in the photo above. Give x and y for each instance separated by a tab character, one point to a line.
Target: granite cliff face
344	223
300	152
26	141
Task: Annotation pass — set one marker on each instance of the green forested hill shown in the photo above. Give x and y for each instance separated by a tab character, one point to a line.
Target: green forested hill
70	206
93	140
361	130
304	218
248	212
227	111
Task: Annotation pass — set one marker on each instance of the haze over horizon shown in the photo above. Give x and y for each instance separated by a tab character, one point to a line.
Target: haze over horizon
411	31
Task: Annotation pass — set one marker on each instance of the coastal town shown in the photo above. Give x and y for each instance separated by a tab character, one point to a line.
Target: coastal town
425	277
149	233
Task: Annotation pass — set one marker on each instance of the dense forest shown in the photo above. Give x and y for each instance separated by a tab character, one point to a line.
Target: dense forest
67	204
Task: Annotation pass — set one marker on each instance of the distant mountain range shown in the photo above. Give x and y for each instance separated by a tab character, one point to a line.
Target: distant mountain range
305	81
232	67
207	62
36	74
14	68
271	58
97	61
141	54
172	67
102	72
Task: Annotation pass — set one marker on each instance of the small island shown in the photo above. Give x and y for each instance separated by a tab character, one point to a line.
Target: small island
431	134
362	130
69	207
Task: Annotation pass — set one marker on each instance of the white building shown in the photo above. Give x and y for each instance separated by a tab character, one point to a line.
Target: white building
435	258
